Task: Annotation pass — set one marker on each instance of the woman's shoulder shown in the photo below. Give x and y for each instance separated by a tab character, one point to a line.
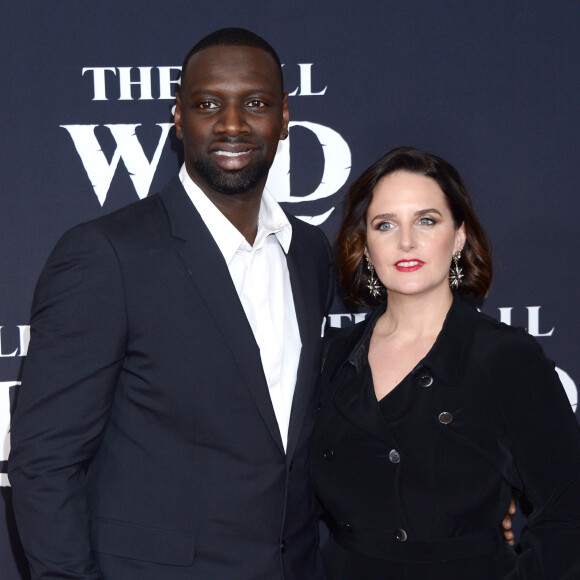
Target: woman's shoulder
334	335
497	339
509	354
338	343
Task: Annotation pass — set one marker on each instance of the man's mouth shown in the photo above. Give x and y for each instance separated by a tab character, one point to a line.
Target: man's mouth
231	153
233	157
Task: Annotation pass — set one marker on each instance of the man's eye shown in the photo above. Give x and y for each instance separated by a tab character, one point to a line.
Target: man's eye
256	104
207	105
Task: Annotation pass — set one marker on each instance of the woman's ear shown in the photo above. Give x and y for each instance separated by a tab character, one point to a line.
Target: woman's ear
460	237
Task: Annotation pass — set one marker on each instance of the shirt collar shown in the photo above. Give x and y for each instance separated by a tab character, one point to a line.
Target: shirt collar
271	220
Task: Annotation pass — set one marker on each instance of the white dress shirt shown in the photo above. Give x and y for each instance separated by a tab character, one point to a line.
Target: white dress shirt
260	275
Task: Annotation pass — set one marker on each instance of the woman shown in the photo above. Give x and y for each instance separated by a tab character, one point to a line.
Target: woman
432	414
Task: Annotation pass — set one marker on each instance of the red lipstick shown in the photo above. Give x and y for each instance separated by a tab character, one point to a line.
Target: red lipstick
409	265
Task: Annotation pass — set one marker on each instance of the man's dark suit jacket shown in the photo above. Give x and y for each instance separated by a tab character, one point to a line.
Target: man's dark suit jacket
144	441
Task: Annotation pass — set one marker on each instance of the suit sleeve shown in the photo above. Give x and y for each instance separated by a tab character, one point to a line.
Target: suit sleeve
545	439
78	334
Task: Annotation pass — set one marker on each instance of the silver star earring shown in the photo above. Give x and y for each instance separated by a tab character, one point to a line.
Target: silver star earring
455	272
374	285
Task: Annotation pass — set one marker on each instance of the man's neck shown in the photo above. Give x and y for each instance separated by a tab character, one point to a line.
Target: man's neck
241	209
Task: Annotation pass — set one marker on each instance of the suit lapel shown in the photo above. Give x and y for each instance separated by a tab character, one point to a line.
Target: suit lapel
310	327
210	274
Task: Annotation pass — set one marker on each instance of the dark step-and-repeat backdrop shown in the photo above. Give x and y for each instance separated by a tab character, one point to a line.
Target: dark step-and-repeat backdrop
87	95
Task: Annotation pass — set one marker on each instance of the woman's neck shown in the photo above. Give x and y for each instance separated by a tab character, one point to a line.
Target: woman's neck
414	317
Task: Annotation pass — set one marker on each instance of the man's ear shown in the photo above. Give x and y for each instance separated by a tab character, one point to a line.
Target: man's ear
177	116
285	117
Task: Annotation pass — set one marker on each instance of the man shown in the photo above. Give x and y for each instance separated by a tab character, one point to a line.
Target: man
168	397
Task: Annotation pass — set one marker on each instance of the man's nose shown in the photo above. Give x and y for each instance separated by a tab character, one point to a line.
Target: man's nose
233	120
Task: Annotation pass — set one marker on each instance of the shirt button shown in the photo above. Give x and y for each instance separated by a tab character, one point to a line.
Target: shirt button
328	454
394	456
425	380
445	418
401	535
283	546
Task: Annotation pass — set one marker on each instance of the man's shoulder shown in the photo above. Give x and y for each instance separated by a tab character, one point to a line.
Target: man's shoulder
308	236
145	217
302	226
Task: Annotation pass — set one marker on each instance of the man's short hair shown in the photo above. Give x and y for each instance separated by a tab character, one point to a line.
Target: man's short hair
233	37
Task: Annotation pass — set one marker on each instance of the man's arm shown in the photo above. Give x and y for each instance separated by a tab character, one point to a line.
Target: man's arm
542	425
506	523
78	333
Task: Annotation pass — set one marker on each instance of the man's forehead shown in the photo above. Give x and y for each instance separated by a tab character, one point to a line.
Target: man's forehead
222	61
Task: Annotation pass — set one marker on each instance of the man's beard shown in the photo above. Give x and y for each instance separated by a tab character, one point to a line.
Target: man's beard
232	182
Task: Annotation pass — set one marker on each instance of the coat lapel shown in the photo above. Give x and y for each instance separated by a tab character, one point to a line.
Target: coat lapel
210	274
359	405
353	395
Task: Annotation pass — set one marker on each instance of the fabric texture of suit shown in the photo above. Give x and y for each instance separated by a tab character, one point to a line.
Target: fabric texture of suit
144	442
419	492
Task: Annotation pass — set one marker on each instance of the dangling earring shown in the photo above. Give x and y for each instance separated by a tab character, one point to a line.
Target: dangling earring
373	284
455	272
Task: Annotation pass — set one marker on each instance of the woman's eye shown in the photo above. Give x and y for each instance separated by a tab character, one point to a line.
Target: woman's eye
385	226
427	221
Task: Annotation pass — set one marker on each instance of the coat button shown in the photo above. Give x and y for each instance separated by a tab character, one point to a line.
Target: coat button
401	535
346	526
394	456
291	466
328	454
425	380
283	546
445	418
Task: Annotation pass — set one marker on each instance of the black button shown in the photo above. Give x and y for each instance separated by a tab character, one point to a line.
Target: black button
425	380
346	526
394	456
328	454
291	466
283	546
445	418
401	535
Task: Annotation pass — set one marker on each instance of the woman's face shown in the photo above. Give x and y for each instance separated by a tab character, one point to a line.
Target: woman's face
411	236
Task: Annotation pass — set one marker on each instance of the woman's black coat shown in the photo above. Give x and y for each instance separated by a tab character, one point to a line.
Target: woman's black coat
421	494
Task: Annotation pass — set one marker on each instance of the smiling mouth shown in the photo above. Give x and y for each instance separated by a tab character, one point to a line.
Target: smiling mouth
234	157
409	265
231	153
